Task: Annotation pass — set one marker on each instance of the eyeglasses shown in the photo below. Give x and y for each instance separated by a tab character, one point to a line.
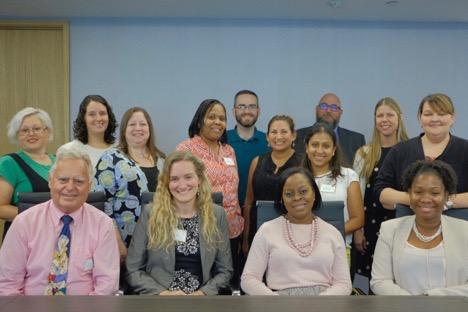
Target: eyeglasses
247	106
332	107
34	130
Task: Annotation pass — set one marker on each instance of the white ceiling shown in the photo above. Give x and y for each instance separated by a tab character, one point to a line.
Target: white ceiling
318	10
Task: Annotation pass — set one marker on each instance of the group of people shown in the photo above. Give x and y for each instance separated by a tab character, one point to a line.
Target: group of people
184	244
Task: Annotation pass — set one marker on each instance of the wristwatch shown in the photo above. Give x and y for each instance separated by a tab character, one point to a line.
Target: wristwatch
449	204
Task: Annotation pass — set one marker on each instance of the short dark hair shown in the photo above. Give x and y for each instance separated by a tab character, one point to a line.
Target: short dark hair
199	118
437	167
284	176
336	161
80	131
241	92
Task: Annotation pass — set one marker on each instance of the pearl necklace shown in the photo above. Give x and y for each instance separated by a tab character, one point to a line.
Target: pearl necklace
424	238
303	249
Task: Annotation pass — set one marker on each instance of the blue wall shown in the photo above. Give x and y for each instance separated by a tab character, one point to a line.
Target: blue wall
170	66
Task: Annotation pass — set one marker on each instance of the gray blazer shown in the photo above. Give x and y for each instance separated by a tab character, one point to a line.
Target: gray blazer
151	271
389	250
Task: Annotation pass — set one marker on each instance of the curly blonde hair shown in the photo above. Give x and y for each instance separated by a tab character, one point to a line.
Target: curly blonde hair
163	218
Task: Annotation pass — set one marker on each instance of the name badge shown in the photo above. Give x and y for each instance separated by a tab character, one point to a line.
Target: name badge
88	264
327	188
229	161
180	235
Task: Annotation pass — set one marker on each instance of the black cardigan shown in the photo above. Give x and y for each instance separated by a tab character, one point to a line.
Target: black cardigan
405	153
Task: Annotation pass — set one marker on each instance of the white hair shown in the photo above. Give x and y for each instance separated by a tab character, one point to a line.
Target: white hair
65	152
15	122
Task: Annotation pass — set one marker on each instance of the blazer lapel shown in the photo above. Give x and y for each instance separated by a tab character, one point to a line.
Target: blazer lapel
203	251
450	243
400	238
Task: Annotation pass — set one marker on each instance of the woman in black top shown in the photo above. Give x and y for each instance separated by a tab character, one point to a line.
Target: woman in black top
265	170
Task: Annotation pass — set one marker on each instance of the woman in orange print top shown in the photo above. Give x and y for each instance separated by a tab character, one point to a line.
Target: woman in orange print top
207	141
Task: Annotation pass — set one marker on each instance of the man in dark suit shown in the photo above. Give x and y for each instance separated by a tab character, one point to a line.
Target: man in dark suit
329	110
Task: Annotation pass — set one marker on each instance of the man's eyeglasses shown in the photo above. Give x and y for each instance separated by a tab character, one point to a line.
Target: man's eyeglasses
35	130
247	106
332	107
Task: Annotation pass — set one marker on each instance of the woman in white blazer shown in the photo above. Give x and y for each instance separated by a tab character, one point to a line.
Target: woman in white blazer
427	253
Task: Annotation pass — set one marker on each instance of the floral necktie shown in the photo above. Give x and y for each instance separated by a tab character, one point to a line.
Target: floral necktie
57	279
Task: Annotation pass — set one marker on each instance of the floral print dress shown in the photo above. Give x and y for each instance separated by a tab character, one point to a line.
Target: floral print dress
123	182
188	269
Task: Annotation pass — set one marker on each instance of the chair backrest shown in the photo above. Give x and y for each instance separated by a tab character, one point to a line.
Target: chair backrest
402	211
147	197
217	198
331	212
460	213
29	199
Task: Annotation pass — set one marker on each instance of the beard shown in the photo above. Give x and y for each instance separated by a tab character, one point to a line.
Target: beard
333	123
246	123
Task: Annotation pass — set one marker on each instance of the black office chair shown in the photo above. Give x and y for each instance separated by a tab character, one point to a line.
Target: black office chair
147	197
460	213
29	199
331	212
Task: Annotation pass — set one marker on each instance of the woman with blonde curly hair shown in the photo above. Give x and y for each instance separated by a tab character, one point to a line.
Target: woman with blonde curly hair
181	243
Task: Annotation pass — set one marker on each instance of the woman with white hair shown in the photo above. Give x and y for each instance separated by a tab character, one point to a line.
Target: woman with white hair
28	169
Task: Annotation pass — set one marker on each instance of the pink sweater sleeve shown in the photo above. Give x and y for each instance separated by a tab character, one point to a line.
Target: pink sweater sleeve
255	266
341	280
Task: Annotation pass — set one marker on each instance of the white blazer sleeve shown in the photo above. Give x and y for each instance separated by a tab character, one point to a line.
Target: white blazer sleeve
383	278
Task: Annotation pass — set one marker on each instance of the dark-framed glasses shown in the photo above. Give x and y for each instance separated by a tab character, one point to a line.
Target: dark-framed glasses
247	106
332	107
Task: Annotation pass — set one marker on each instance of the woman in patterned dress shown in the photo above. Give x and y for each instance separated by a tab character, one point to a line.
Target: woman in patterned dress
389	129
126	172
181	244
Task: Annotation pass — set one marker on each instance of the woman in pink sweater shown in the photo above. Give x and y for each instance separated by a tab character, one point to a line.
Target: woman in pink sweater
299	253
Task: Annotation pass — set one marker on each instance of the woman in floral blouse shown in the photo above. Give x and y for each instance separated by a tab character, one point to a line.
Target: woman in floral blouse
207	141
127	171
181	244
